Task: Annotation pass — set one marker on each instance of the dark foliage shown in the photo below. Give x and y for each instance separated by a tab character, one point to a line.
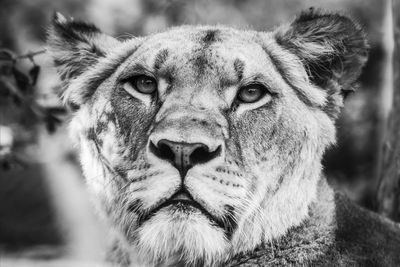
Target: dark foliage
20	106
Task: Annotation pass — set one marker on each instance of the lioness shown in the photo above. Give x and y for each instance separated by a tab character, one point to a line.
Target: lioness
202	145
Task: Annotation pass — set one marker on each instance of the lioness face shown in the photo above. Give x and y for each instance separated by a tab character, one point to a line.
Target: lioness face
199	142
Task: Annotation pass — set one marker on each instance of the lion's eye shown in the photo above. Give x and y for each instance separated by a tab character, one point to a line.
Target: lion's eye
251	93
144	84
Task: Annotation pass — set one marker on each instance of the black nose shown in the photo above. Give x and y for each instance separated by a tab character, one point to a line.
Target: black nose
183	156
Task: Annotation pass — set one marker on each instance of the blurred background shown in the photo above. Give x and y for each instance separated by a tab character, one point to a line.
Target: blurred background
45	212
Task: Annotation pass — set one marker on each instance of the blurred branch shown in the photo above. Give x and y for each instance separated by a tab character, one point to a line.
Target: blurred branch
389	187
8	55
31	54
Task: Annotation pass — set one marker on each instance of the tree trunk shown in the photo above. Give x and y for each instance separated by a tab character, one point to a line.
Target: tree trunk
389	187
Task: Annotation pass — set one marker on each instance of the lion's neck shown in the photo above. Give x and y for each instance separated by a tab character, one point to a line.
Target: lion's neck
303	243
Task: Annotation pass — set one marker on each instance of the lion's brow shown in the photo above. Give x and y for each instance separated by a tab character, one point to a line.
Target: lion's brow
160	58
282	70
238	65
210	36
105	72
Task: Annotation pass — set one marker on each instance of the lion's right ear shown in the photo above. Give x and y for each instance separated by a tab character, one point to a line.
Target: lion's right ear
331	46
76	46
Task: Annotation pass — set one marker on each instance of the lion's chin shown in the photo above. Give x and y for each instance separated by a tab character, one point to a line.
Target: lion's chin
181	232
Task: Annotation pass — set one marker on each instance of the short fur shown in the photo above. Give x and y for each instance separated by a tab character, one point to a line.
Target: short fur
263	197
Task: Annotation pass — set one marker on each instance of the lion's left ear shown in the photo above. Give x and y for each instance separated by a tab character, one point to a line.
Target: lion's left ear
76	46
332	47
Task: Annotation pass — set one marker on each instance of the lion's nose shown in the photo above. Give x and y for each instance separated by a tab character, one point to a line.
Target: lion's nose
183	156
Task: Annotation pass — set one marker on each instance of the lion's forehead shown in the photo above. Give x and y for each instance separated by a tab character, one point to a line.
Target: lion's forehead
203	34
190	51
215	45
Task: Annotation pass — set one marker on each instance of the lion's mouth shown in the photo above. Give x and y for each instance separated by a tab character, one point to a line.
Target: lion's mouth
182	201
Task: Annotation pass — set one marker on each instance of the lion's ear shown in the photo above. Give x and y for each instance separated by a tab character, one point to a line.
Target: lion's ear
332	47
76	46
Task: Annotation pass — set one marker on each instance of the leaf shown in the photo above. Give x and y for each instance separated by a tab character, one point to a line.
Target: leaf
17	100
6	68
8	88
22	80
6	55
34	73
51	122
57	110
